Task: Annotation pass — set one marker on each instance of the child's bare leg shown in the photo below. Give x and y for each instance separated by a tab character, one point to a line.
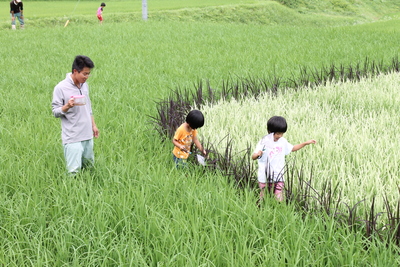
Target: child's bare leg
279	191
262	189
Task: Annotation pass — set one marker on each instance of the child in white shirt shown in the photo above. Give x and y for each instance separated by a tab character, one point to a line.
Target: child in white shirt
270	152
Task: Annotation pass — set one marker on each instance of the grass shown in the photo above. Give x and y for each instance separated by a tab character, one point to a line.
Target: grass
304	186
362	111
314	13
134	208
34	9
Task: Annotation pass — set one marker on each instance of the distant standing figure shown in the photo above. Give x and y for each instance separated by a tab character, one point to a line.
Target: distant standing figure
100	12
16	10
270	152
185	136
71	103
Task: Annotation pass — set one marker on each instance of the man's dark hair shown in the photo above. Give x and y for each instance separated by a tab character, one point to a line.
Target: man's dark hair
195	119
81	62
277	124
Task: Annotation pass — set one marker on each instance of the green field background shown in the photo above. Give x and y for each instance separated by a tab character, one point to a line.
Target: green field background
135	208
34	9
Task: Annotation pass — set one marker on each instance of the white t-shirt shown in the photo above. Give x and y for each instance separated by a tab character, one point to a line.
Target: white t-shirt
272	162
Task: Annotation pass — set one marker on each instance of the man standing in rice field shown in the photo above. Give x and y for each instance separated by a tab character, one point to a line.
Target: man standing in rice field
71	103
16	11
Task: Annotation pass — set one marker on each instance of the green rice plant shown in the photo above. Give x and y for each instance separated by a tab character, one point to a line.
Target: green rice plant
39	14
352	109
393	223
324	200
134	208
351	213
171	112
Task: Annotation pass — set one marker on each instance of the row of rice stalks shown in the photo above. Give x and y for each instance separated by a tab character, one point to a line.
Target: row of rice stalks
238	168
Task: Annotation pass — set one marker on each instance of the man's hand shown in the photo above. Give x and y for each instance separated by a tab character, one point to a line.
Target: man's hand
95	131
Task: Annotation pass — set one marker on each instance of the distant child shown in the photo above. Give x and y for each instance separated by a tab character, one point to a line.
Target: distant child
185	135
100	12
271	152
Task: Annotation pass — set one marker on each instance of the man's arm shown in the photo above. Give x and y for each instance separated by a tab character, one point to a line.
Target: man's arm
94	127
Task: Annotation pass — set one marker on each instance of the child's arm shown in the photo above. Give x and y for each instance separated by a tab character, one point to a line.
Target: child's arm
199	146
257	155
180	146
300	146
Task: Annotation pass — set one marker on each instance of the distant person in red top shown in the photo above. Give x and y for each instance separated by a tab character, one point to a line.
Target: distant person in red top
100	12
16	10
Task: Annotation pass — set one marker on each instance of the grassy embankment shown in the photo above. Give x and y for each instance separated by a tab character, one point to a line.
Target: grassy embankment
311	13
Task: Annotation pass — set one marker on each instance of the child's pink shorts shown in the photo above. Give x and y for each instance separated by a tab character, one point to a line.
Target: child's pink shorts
276	187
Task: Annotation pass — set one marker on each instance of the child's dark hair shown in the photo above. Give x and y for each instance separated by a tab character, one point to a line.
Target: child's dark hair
277	124
103	4
81	62
195	119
